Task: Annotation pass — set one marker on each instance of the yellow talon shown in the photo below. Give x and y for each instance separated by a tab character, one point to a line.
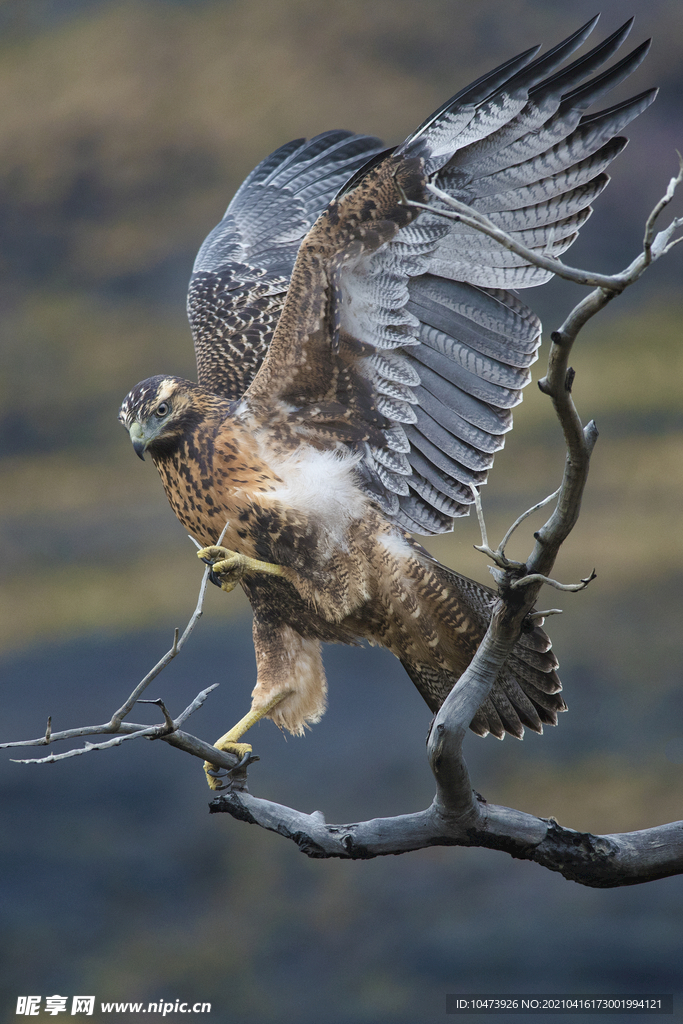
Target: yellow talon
230	566
238	749
229	742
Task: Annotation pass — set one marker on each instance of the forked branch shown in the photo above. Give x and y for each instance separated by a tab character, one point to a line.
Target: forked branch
169	730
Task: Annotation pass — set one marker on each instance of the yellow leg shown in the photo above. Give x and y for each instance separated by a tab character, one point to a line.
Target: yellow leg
232	566
228	740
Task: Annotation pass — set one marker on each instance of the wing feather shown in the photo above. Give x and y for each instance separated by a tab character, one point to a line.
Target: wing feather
242	271
400	339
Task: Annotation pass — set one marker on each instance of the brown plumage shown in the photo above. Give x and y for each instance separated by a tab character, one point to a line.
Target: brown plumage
357	372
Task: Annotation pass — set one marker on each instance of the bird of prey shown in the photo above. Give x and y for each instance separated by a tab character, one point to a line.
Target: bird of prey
358	359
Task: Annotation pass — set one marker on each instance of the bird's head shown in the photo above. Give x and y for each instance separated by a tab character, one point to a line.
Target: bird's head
157	413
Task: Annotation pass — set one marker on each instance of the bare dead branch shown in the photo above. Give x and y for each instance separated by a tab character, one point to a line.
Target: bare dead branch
127	731
499	556
464	214
537	577
626	858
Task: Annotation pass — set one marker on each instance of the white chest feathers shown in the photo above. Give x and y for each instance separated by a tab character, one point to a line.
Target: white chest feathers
323	487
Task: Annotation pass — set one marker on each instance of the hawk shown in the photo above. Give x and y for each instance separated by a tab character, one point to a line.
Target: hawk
358	361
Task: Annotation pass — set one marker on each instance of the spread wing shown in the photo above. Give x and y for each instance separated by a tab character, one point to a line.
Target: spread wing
242	271
398	339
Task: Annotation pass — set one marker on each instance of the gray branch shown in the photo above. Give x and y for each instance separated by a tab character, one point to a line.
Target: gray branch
625	858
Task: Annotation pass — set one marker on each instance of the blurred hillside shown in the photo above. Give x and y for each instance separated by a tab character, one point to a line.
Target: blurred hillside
124	130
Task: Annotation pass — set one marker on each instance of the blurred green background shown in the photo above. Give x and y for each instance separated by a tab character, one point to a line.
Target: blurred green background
124	130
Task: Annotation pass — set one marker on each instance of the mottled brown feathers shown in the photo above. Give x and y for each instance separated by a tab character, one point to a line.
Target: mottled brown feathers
348	574
308	362
233	329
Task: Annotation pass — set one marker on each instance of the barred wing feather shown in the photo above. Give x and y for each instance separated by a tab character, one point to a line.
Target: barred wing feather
527	157
242	271
400	337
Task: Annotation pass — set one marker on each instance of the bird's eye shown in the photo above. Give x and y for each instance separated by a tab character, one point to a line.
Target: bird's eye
161	409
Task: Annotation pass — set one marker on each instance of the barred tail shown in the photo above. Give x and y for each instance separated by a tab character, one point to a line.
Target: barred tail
527	690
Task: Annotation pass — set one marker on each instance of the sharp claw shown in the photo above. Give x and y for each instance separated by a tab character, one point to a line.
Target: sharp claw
248	759
241	750
218	774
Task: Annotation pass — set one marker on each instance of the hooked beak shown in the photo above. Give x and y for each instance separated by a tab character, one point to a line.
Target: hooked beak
137	436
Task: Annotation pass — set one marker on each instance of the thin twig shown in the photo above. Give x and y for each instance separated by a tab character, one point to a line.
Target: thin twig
525	515
164	710
499	556
538	577
538	617
127	707
482	522
89	747
613	284
129	704
127	731
648	237
69	734
472	218
194	706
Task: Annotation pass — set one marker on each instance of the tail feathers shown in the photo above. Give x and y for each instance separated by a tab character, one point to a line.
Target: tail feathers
544	679
487	720
544	661
515	702
535	639
527	692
